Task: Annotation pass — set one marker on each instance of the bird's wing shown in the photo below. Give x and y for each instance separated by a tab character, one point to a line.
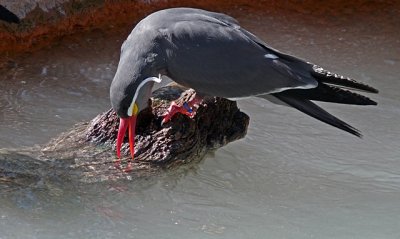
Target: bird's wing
210	53
7	15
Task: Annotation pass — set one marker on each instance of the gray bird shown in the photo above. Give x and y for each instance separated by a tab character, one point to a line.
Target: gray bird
211	53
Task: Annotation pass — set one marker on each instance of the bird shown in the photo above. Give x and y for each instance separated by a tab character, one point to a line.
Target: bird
7	16
212	54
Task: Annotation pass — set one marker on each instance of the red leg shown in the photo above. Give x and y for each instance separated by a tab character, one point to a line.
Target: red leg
188	108
195	102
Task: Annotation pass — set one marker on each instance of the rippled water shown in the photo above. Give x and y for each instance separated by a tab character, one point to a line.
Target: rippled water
291	177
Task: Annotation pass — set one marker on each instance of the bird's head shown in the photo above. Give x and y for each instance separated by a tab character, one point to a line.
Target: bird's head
129	93
141	63
127	102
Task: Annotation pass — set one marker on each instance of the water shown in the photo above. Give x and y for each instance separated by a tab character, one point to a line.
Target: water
291	177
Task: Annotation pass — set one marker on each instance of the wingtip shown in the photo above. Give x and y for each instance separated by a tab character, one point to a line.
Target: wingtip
350	129
317	112
375	91
356	132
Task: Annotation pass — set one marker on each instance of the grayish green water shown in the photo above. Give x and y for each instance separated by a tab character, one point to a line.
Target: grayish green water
291	177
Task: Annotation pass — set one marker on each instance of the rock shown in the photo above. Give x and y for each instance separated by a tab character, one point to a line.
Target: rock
44	22
86	153
218	122
23	7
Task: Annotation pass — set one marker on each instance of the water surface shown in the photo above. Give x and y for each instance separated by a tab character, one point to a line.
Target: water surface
291	177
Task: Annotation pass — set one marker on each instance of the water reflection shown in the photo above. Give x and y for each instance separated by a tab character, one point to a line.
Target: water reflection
46	92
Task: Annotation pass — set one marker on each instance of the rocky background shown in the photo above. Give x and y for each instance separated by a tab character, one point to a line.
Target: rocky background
46	21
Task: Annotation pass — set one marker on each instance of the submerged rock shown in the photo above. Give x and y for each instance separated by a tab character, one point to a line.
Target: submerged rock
86	153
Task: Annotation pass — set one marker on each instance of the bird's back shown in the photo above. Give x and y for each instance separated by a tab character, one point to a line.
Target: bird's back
212	54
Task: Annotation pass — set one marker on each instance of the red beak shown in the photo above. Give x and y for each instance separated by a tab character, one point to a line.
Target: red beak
123	126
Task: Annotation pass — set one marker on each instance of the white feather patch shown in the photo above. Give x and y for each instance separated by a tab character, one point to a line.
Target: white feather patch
271	56
155	79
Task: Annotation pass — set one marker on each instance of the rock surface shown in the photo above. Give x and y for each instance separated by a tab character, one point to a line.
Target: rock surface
87	153
44	22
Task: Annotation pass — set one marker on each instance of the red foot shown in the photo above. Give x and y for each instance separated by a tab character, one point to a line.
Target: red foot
174	109
188	108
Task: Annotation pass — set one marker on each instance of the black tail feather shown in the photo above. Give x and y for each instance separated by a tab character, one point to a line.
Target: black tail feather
330	78
329	89
317	112
330	93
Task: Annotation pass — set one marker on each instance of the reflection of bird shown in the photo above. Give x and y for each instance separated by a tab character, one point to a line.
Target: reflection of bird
212	54
8	16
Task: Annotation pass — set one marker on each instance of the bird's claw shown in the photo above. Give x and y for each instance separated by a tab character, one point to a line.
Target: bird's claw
174	109
188	108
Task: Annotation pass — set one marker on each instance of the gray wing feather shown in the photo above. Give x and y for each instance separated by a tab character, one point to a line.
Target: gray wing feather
317	112
212	54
